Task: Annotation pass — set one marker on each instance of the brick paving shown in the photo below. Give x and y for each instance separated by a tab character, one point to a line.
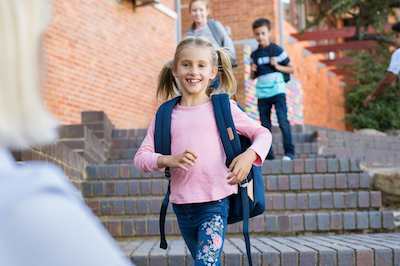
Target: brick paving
354	249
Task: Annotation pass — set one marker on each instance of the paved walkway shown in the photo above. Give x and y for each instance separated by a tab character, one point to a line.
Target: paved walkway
361	250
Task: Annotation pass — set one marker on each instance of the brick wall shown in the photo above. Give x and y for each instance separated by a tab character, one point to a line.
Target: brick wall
104	56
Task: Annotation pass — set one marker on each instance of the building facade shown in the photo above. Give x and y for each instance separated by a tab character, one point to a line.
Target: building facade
104	55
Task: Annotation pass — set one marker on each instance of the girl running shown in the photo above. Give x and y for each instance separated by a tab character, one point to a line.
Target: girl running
200	181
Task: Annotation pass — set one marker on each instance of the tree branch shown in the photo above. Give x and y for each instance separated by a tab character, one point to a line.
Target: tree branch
374	37
394	3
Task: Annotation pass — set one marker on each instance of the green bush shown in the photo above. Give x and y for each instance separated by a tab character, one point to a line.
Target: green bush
368	70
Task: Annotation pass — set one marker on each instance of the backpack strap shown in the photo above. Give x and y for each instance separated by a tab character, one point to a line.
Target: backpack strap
271	51
286	76
215	32
226	127
162	144
232	147
255	57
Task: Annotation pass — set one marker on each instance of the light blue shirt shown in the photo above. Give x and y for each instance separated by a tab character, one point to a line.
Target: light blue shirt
45	222
269	85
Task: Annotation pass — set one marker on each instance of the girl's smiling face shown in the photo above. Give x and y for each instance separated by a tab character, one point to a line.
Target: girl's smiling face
194	70
199	12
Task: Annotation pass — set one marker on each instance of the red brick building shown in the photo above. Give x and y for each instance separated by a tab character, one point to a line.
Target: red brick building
103	55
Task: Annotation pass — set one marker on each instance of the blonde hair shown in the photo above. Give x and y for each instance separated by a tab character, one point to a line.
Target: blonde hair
168	87
193	27
23	118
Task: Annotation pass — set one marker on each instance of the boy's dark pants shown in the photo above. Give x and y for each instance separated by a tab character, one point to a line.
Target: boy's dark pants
264	108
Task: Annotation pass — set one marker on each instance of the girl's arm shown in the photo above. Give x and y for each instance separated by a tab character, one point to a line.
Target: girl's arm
147	160
256	153
176	161
260	136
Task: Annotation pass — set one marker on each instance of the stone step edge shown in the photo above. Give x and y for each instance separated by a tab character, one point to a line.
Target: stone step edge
273	202
278	156
371	249
134	141
272	183
128	152
281	223
296	166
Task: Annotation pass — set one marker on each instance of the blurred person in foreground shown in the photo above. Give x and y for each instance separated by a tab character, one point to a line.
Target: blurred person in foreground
43	220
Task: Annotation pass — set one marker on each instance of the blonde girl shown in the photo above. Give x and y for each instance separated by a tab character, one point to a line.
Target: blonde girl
200	181
219	38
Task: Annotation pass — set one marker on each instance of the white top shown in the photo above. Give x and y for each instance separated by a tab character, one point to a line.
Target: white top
44	221
394	65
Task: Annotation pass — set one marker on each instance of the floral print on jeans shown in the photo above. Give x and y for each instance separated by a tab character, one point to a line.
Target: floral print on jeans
211	250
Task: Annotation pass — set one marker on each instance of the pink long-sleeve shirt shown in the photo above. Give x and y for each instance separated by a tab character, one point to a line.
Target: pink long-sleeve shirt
195	128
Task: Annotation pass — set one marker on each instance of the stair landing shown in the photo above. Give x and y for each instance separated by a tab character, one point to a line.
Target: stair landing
360	249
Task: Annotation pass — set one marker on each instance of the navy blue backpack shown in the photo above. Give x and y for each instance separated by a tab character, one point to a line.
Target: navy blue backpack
241	208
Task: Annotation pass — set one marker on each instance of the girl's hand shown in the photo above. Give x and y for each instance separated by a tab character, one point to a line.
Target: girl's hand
176	161
241	166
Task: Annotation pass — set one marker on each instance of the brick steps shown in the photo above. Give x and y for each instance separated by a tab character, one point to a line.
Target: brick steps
372	150
135	140
365	250
311	182
273	167
313	195
278	156
303	196
123	149
305	183
267	224
302	151
275	203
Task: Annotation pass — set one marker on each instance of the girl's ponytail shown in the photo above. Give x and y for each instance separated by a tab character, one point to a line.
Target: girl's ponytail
166	83
226	77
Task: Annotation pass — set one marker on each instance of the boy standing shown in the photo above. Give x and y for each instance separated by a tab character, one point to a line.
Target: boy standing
271	86
393	70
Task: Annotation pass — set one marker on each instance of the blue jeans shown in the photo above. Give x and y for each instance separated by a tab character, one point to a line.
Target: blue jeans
203	227
264	108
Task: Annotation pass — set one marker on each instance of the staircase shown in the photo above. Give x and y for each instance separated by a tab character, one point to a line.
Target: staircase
320	210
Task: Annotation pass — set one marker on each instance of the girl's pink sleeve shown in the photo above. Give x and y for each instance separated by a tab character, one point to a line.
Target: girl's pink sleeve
259	135
146	158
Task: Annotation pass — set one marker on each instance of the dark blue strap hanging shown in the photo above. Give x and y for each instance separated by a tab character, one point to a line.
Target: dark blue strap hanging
162	144
246	217
232	147
163	213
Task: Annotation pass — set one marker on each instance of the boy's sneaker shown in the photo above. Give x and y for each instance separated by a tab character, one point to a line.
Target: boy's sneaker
288	157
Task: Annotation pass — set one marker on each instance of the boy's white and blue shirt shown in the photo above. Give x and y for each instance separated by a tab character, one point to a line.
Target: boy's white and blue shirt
394	65
270	82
